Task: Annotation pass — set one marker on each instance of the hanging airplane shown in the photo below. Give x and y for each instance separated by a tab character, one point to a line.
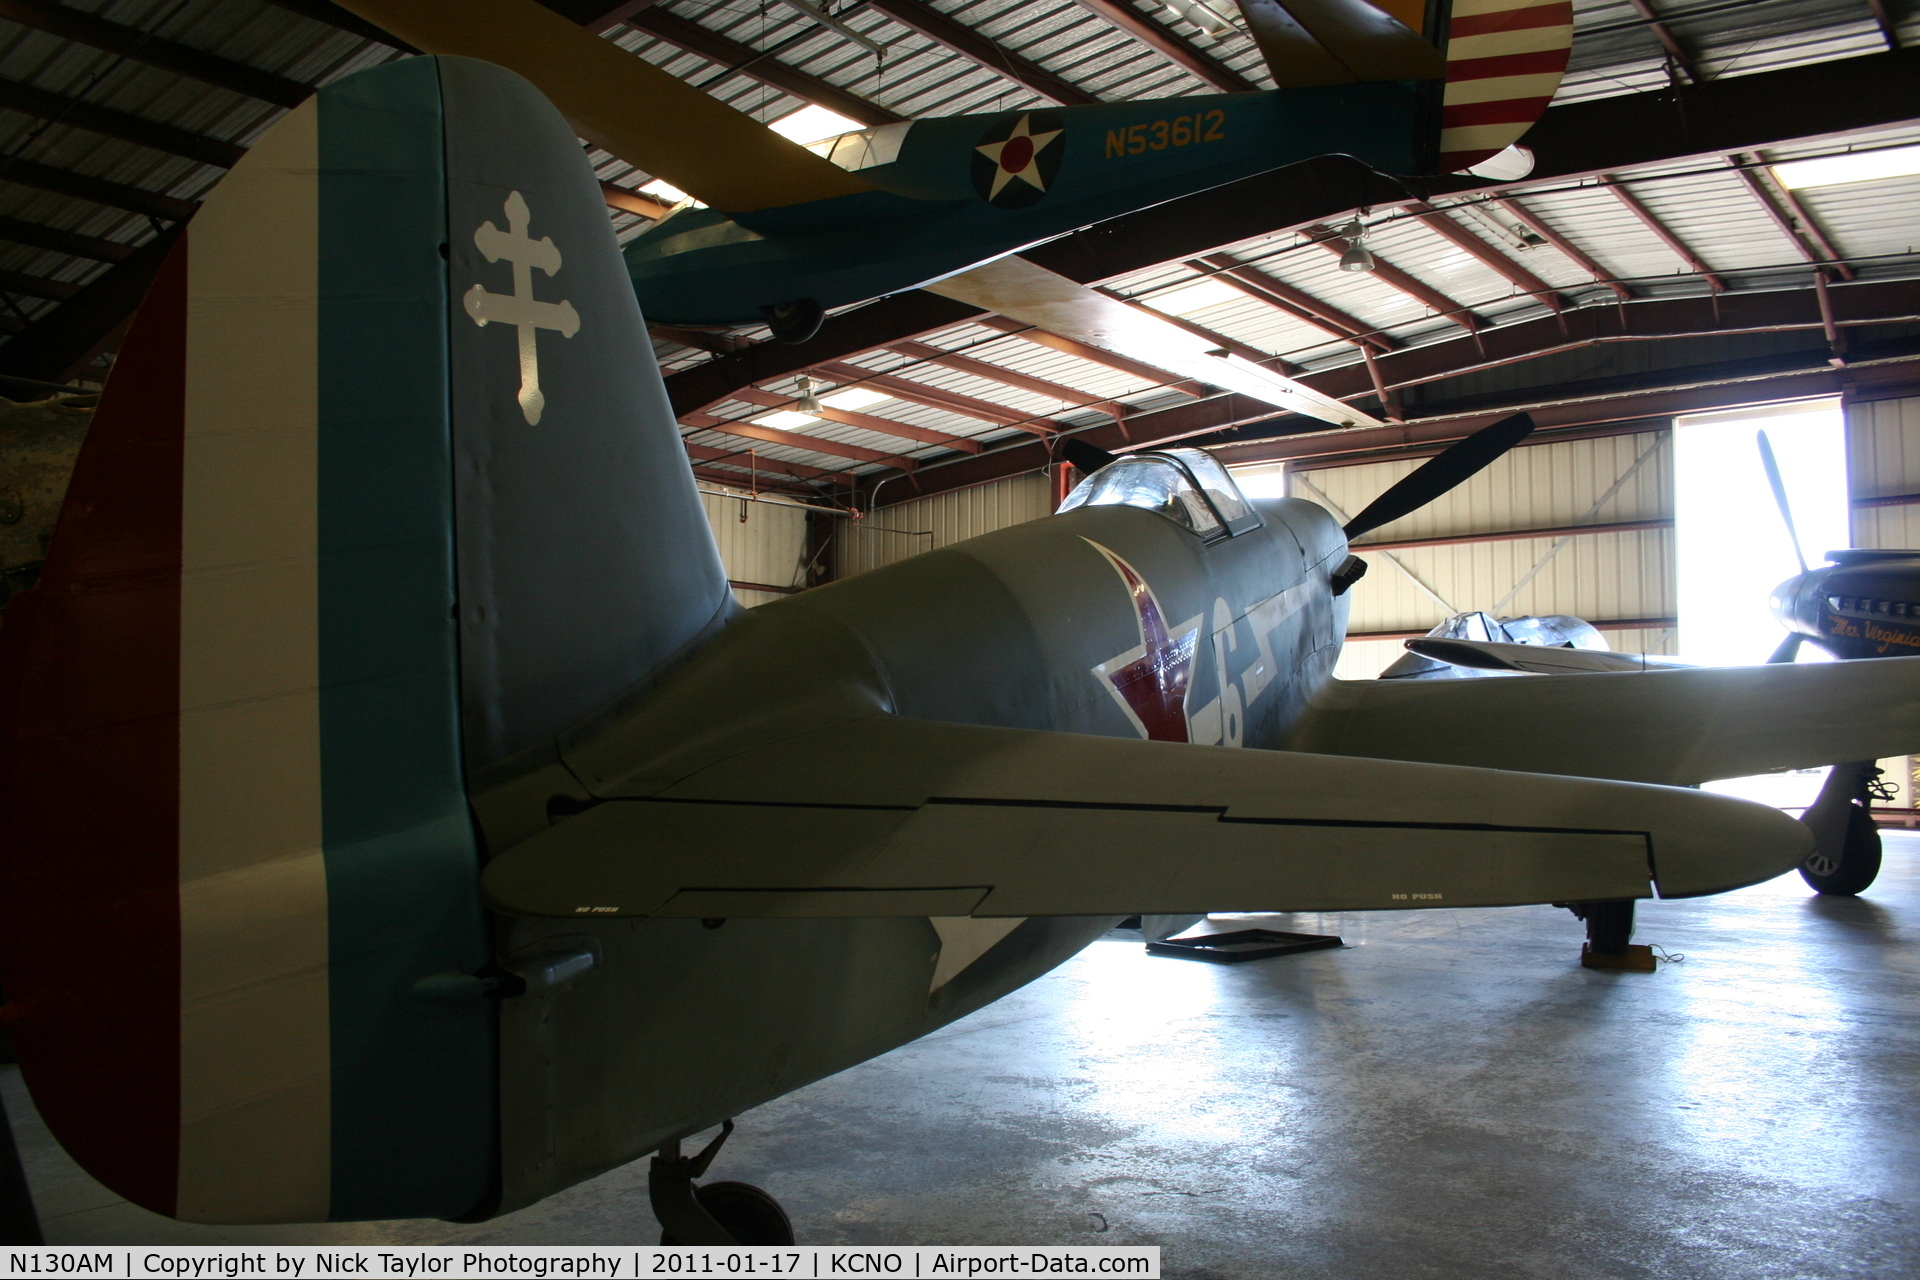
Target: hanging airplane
406	821
784	233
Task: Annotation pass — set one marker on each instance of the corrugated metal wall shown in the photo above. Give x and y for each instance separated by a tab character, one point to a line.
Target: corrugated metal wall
1883	459
925	524
769	546
1602	577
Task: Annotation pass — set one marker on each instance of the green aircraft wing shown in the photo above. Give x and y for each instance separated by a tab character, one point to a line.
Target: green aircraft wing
1678	728
884	816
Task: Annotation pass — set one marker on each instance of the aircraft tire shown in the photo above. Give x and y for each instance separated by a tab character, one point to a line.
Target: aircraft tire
794	322
1858	864
750	1215
1609	926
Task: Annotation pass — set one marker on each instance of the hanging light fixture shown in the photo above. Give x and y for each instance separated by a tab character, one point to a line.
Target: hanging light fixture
1356	258
808	401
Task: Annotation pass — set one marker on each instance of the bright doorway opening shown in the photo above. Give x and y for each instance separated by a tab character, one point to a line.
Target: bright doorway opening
1732	548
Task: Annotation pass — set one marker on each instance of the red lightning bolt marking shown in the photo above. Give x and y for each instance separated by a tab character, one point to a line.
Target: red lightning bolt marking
1151	679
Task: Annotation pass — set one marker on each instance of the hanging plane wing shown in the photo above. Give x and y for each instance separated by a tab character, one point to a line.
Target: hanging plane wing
1021	290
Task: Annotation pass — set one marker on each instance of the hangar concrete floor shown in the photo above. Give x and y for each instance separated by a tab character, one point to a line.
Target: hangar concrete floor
1450	1096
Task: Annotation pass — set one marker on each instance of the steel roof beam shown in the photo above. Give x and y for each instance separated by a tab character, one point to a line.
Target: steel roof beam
626	201
76	331
71	243
994	373
745	458
1878	303
597	16
1883	18
790	439
1738	113
1574	254
1668	41
85	28
891	319
1788	214
747	61
971	44
60	109
1388	274
1488	256
1298	303
1220	341
864	421
334	16
37	286
115	195
699	339
1665	233
1771	311
939	398
765	484
1167	42
1096	355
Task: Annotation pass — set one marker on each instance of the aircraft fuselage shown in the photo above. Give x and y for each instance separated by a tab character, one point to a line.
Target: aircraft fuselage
1041	625
960	190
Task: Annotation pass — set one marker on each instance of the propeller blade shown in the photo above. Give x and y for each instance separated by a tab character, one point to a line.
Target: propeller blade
1457	465
1088	458
1780	495
1789	649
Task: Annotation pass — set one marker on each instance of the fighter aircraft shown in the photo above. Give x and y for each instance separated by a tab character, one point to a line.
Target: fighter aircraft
405	821
784	234
1862	604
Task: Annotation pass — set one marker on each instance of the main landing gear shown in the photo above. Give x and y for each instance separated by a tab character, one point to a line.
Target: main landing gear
719	1213
1609	926
1846	853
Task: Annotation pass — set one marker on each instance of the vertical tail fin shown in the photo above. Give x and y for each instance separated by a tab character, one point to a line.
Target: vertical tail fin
1501	64
384	490
1505	59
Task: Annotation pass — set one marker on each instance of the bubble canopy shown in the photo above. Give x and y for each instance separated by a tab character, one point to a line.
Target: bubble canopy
1186	486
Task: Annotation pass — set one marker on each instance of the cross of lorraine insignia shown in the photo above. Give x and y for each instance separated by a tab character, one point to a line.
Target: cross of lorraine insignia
519	308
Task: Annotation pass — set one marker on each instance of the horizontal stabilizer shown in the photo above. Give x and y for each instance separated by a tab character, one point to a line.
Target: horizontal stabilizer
1534	659
891	817
1678	728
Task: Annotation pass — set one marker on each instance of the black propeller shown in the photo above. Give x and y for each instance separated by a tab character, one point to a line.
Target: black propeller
1088	458
1780	496
1788	650
1455	466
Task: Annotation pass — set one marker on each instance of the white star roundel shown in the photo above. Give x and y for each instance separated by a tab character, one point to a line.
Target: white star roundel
1015	163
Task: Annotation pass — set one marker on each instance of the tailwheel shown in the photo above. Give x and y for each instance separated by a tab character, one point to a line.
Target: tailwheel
719	1213
794	322
1856	866
744	1211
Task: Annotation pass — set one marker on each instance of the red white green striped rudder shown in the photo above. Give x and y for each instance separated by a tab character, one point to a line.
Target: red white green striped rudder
383	496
